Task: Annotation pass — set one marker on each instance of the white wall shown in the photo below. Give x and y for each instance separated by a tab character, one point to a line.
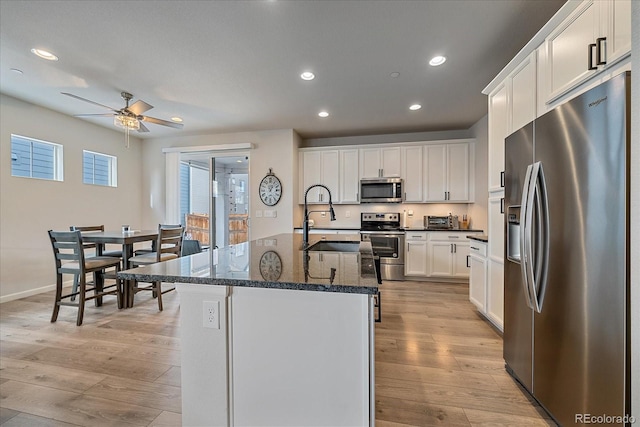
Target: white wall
276	149
635	210
30	207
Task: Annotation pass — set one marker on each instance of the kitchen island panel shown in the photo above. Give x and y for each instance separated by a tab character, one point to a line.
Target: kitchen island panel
296	354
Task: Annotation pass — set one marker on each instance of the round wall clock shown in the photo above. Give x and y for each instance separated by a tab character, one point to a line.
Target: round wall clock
270	266
270	189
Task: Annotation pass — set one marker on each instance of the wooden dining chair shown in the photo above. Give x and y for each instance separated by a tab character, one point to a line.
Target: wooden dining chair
89	229
68	251
168	246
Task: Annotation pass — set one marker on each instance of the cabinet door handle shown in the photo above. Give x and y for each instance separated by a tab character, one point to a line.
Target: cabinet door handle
590	65
502	205
600	50
468	261
502	179
455	248
451	248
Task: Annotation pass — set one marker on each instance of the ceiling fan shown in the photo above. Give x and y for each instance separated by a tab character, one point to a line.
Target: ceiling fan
130	116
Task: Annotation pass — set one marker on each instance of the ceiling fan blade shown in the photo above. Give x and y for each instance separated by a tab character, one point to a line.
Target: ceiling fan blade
86	100
94	115
139	107
162	122
143	128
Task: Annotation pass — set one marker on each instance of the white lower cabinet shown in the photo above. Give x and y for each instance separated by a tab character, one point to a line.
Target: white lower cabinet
447	254
437	254
478	275
415	261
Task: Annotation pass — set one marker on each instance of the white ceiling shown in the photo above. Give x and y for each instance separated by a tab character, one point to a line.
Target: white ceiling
229	66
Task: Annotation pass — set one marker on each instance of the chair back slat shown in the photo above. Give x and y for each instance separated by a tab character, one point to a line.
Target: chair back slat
68	256
67	246
169	240
87	228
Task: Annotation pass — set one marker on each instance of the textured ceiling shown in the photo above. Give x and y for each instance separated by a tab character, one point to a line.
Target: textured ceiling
228	66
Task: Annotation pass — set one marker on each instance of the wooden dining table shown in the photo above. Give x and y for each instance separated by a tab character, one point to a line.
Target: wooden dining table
127	240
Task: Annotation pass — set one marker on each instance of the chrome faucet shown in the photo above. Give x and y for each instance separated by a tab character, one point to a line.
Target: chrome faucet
305	222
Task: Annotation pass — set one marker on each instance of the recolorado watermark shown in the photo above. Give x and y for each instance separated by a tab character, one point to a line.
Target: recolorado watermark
604	419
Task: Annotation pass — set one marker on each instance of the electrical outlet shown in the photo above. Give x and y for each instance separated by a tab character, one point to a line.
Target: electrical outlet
211	314
347	214
258	213
323	214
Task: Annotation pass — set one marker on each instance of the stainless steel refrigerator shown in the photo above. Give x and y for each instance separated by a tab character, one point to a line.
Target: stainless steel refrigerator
566	283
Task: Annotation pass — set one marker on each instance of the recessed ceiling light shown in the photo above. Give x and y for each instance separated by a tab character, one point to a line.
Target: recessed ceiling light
17	71
415	107
437	60
176	119
44	54
238	161
307	75
395	74
323	114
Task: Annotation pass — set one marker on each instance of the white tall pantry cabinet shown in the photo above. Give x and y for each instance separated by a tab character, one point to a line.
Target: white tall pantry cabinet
584	44
511	105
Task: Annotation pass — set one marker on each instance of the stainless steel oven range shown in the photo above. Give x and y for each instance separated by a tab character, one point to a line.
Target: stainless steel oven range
387	241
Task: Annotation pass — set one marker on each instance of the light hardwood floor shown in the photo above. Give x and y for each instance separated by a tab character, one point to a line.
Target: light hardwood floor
437	363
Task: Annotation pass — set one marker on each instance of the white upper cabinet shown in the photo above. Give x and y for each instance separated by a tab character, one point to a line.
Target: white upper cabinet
348	175
522	102
458	166
319	167
412	173
498	129
432	172
511	106
596	35
380	162
616	24
447	172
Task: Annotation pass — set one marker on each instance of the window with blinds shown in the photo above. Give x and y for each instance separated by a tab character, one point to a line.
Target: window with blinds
33	158
99	169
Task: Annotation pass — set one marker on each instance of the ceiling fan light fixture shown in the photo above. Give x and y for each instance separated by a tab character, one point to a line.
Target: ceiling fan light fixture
176	119
126	122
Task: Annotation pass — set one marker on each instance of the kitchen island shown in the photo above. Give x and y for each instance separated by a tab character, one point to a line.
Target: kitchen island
272	334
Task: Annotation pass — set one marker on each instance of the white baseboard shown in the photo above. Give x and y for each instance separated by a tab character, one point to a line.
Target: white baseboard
30	292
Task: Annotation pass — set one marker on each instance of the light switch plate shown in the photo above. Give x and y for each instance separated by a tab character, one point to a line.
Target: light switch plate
258	214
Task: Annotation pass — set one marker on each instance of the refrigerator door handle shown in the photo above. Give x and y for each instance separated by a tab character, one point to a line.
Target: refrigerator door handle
539	284
528	255
524	214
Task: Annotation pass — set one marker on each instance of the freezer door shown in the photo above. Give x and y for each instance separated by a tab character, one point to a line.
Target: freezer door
518	317
580	347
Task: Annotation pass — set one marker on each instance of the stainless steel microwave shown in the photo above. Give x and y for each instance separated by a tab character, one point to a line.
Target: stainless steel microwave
381	190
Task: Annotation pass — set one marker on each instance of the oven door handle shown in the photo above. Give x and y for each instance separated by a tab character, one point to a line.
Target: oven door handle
384	233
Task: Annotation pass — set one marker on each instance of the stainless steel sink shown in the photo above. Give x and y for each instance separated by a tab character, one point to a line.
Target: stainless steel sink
333	246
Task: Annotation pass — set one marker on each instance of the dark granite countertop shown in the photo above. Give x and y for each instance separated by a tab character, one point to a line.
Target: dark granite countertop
480	238
276	262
